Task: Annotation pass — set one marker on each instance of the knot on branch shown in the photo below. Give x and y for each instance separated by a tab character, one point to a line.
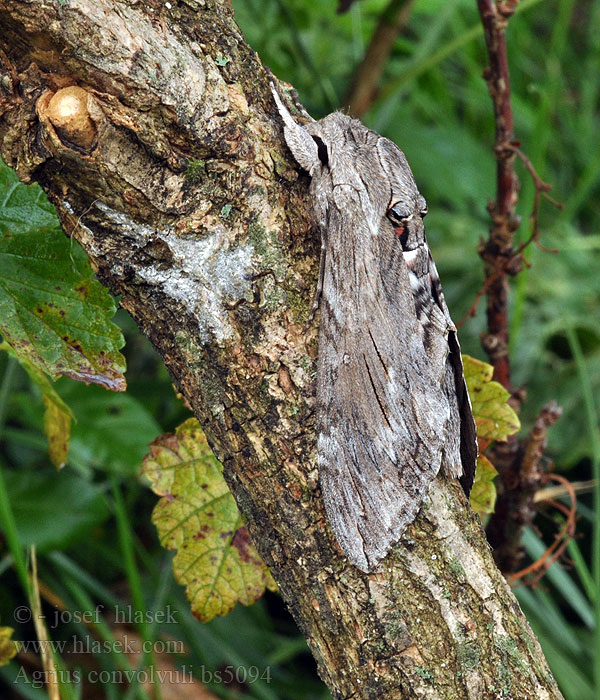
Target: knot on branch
69	112
531	469
506	150
498	254
494	346
506	9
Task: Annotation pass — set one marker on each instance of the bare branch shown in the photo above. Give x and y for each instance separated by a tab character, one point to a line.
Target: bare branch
364	84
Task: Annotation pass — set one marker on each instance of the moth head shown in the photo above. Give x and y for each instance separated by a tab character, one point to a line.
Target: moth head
406	217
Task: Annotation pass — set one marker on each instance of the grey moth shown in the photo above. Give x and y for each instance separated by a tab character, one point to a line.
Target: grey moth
392	405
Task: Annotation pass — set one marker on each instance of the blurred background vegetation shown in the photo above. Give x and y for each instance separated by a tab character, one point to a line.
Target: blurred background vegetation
91	522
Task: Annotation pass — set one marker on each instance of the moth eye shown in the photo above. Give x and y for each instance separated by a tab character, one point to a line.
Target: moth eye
423	212
398	215
321	150
399	218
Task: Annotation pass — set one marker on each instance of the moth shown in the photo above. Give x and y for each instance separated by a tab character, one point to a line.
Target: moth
392	404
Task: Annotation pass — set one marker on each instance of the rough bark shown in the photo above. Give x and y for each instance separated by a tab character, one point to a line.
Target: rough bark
175	180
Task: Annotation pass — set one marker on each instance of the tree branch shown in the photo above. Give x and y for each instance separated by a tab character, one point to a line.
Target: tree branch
497	252
363	87
514	507
173	176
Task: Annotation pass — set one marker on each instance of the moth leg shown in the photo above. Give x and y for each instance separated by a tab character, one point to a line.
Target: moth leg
319	292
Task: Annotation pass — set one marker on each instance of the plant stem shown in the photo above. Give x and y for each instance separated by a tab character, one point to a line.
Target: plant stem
363	88
7	519
498	249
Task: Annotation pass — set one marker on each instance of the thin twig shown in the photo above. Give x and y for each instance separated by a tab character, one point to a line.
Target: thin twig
511	266
541	189
519	464
531	468
363	87
498	252
533	573
523	477
498	249
553	492
514	264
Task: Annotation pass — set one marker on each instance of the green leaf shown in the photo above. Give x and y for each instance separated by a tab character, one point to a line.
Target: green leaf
112	432
52	311
8	647
54	510
483	493
198	517
495	419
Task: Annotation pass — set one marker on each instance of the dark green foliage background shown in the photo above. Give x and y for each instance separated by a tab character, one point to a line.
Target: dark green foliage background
434	103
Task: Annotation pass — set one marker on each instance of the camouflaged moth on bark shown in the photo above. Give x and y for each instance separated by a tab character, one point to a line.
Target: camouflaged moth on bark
392	403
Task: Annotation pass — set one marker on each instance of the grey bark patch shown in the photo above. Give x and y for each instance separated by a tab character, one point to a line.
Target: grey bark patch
208	273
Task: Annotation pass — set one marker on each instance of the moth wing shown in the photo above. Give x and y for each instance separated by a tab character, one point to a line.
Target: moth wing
468	431
463	413
383	414
395	165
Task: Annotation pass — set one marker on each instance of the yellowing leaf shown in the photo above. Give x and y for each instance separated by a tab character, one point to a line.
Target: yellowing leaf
57	416
495	419
8	647
57	426
198	517
483	493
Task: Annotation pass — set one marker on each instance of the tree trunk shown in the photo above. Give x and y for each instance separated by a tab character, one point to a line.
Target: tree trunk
152	129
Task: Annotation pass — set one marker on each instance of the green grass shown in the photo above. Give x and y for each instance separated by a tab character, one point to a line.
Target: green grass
7	520
591	415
